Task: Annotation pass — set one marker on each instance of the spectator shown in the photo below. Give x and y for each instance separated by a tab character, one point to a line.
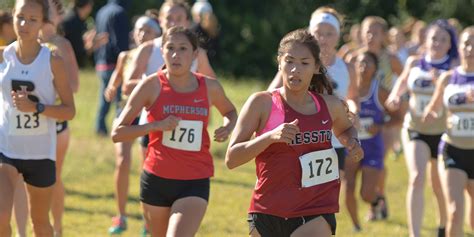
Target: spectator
111	19
74	29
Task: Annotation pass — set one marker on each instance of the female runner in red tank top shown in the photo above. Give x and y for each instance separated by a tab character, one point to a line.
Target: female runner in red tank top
174	186
298	180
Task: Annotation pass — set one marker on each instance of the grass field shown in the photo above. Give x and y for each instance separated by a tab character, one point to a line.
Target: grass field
88	177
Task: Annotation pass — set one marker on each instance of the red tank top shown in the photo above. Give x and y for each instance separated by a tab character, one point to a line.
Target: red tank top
184	152
282	189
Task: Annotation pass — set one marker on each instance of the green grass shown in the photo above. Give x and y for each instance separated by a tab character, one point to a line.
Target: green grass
88	177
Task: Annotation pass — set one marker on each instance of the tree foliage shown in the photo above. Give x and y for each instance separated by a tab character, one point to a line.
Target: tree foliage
251	30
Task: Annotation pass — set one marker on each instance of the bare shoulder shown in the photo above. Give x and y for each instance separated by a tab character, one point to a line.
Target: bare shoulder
123	55
62	43
212	84
146	47
151	80
261	98
331	100
56	60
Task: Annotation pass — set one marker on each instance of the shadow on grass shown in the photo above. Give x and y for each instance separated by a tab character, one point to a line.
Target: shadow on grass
109	196
232	183
101	212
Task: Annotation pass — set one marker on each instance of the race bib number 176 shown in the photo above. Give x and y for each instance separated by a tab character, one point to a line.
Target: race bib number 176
186	136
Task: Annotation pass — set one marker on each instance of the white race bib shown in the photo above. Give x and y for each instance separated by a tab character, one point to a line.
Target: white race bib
187	136
27	124
319	167
365	124
462	124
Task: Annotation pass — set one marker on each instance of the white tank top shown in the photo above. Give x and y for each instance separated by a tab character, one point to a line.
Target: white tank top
339	75
422	87
27	136
156	60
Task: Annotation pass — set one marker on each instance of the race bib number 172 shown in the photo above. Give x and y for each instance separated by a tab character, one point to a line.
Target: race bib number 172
319	167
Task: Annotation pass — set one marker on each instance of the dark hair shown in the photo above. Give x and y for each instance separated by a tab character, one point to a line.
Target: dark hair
444	24
373	57
153	13
5	18
320	83
181	30
180	3
81	3
44	4
58	5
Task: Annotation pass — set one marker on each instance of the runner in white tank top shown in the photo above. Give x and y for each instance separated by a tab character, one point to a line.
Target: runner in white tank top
421	139
30	78
455	91
20	131
156	60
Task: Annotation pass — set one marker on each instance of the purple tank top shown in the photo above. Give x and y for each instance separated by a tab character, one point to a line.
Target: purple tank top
443	65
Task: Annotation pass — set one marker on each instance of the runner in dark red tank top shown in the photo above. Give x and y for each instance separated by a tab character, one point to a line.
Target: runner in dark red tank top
174	186
298	182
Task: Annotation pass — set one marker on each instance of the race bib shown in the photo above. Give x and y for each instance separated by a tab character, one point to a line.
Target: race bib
187	136
319	167
363	131
462	124
27	124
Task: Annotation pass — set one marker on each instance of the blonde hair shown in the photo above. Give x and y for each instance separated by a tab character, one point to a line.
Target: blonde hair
468	30
180	3
370	20
329	10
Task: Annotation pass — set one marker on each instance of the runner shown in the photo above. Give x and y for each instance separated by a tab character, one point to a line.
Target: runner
455	89
31	76
325	27
146	29
372	114
420	140
293	126
175	180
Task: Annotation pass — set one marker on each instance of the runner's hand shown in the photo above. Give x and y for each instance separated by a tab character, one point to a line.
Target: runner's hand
393	103
286	132
167	124
354	150
110	93
221	134
22	102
